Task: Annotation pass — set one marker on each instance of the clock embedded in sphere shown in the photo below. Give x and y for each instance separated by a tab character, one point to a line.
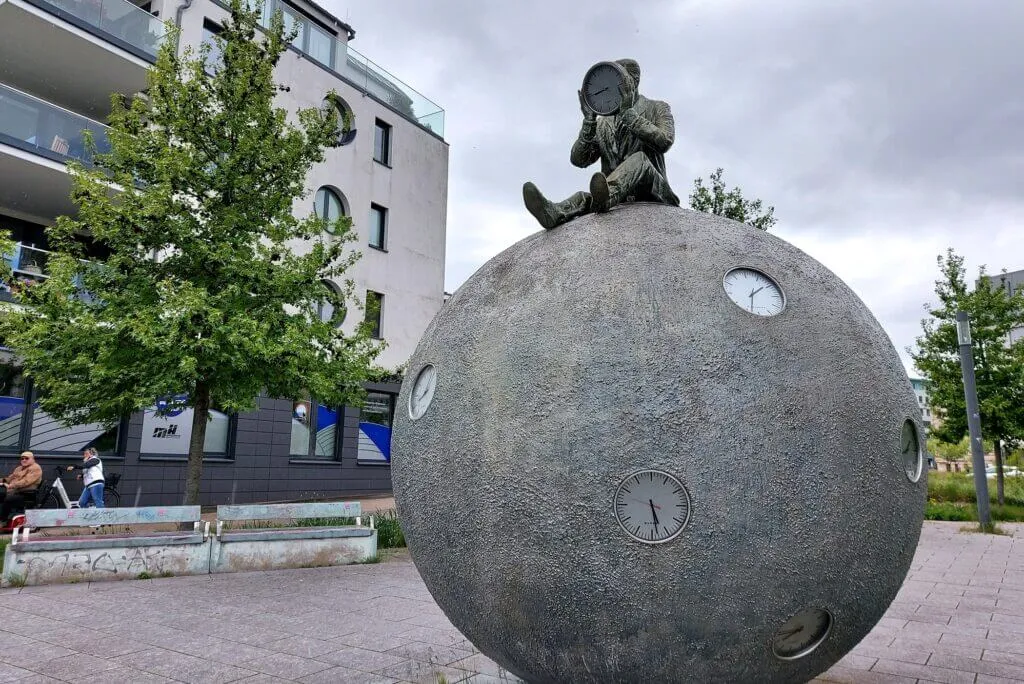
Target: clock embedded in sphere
910	449
652	506
603	86
667	448
754	291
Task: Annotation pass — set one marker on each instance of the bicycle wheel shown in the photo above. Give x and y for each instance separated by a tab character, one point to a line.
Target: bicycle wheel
53	501
111	499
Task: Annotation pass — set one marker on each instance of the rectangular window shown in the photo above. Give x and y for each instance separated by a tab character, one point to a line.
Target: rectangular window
375	418
378	226
314	432
374	312
23	425
12	407
321	45
215	58
382	143
170	434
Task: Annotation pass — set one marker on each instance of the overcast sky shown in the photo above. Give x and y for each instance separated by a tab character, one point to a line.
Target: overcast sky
883	131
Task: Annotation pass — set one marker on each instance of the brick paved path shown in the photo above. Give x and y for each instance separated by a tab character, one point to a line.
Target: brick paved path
959	618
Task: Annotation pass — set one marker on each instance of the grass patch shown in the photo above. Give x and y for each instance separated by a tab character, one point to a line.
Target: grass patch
369	560
3	549
17	580
144	575
951	496
389	531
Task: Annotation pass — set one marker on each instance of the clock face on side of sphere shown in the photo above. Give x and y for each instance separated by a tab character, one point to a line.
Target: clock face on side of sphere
422	391
601	88
910	451
652	506
801	634
754	291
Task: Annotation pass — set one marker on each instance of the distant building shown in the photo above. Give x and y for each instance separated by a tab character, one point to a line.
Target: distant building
921	391
1014	281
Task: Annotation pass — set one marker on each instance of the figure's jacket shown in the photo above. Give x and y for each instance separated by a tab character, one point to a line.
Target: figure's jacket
92	471
612	143
25	477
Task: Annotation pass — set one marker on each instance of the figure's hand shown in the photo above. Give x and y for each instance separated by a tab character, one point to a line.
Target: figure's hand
588	113
70	468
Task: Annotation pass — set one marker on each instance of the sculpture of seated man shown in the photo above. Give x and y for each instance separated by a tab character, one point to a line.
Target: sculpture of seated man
631	146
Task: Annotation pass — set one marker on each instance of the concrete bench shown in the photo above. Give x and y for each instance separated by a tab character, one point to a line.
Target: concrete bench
289	547
33	559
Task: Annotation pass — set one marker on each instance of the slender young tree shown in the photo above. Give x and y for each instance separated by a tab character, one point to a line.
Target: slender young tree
730	203
999	365
204	299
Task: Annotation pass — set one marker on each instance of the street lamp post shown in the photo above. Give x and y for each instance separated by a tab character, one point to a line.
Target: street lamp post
963	335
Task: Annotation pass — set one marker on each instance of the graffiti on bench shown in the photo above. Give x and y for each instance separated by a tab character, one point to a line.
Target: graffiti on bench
296	511
76	517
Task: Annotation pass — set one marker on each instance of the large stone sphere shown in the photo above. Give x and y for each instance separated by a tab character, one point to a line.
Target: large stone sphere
792	496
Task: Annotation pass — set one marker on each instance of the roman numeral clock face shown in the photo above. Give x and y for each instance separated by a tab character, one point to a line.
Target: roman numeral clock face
652	506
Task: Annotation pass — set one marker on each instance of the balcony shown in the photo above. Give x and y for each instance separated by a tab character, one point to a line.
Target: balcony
29	265
77	52
325	49
37	139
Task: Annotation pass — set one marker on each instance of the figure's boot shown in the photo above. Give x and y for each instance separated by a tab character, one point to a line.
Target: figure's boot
605	192
550	214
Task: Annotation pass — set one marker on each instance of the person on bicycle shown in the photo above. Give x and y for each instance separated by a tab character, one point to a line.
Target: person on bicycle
92	478
22	480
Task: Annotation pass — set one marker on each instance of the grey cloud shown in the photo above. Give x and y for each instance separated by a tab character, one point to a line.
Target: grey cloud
853	117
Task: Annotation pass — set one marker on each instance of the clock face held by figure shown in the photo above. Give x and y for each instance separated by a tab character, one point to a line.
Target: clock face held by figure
754	291
422	391
801	634
652	506
910	451
602	87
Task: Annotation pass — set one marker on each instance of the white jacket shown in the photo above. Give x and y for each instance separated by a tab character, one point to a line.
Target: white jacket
92	471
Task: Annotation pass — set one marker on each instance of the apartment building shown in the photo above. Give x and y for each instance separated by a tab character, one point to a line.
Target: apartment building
59	62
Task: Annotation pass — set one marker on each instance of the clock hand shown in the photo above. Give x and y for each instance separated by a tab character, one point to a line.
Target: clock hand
756	291
599	91
655	515
791	632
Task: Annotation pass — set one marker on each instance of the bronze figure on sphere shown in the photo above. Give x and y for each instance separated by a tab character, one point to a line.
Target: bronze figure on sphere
630	144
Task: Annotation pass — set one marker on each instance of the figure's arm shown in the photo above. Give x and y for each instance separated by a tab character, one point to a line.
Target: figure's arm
585	150
660	133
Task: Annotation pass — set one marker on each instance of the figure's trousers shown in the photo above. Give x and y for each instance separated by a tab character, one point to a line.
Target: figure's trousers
635	177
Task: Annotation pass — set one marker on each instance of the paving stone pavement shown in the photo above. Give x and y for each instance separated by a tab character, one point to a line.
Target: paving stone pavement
958	618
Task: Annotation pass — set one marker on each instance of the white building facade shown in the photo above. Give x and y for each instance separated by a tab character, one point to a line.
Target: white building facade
60	60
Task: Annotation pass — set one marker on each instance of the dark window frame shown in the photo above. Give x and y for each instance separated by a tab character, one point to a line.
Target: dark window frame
391	420
31	396
382	131
381	211
312	427
212	456
377	330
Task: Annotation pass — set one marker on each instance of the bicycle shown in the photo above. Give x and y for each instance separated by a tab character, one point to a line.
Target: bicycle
56	496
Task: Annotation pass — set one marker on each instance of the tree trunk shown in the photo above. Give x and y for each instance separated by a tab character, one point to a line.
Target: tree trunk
998	448
200	416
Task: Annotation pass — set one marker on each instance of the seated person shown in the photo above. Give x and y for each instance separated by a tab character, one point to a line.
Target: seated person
22	480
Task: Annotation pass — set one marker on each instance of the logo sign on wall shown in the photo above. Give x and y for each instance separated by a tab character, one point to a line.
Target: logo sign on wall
170	434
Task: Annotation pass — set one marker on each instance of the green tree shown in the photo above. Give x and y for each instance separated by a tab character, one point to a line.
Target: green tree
202	299
999	366
730	203
949	452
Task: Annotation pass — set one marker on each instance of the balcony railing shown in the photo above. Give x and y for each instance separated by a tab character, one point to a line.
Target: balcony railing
46	129
118	19
28	263
325	49
383	85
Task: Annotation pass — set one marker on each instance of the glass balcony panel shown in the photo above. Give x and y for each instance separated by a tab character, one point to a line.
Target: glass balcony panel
27	121
118	18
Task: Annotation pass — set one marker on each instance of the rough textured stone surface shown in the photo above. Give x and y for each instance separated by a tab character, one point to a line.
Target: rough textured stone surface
583	354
